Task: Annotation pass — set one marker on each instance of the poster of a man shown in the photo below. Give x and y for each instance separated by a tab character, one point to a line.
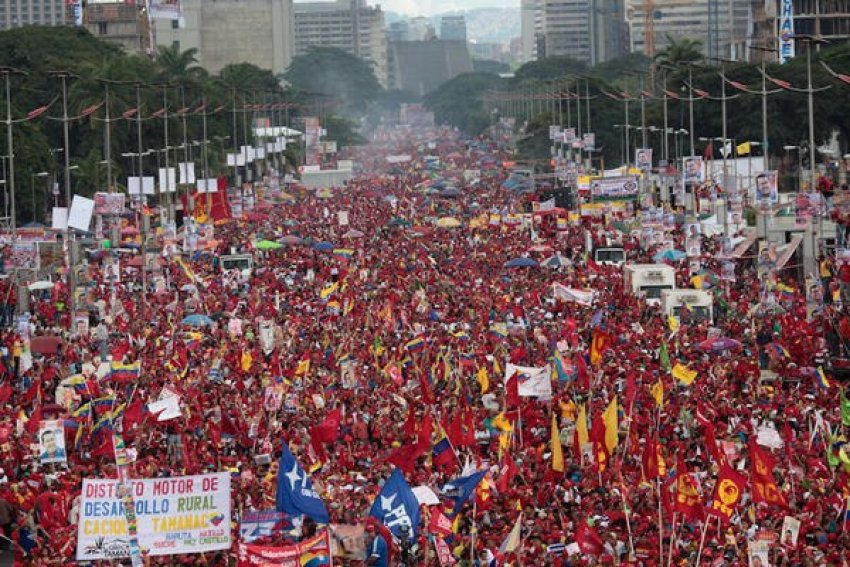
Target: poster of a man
766	189
51	439
693	170
643	158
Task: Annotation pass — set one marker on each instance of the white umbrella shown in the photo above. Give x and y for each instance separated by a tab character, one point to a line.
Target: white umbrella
38	286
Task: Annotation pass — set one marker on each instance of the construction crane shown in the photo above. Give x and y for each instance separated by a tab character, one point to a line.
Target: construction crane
649	28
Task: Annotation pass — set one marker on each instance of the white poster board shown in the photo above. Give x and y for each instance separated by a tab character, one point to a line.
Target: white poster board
59	220
207	185
82	209
167	180
187	172
146	184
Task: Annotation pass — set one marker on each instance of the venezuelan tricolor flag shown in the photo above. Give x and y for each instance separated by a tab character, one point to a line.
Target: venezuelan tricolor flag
821	378
417	344
344	253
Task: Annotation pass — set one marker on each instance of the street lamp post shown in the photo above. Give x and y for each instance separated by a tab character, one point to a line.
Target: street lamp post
764	93
810	91
7	72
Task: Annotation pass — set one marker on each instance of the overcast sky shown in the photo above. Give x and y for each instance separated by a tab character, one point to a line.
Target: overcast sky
431	7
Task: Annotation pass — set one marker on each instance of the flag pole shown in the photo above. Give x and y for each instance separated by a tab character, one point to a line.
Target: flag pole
672	541
627	513
660	521
702	540
474	530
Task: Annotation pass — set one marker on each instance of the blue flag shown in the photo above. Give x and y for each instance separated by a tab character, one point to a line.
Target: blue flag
295	494
459	490
397	506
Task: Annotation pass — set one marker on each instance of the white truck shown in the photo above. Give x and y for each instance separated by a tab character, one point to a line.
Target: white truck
649	280
700	303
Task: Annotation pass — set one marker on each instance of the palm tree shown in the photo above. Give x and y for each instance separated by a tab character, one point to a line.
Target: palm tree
679	51
180	66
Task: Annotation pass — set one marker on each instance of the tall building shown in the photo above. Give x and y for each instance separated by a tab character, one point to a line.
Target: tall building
453	27
591	31
422	66
123	23
827	19
531	29
17	13
349	25
259	32
723	26
420	29
398	31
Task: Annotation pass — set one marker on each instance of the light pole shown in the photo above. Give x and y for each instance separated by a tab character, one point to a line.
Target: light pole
72	276
764	92
7	72
811	40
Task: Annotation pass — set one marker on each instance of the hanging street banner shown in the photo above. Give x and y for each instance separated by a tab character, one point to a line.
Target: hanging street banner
188	514
786	31
614	188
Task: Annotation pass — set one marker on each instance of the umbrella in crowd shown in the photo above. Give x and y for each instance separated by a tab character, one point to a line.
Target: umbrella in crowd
268	245
197	320
448	222
521	263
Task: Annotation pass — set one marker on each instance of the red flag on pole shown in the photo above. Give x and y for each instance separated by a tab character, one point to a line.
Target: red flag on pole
727	493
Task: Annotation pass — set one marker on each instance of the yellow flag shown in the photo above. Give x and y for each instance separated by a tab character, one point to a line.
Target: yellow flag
657	391
581	428
673	323
504	441
557	451
609	418
303	367
684	374
501	422
743	149
247	361
483	379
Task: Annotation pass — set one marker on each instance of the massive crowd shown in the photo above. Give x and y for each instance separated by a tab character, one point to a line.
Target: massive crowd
405	323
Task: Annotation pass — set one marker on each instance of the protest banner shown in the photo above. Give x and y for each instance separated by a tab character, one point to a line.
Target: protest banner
255	524
176	515
313	551
623	187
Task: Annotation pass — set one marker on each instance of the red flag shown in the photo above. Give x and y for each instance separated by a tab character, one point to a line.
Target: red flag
688	500
708	152
439	523
512	392
409	427
597	437
583	381
31	426
469	426
727	493
328	430
650	459
711	444
671	94
423	441
5	392
506	472
134	414
588	539
761	475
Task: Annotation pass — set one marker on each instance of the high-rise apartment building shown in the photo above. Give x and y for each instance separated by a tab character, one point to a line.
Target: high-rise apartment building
259	32
827	19
453	28
349	25
531	29
17	13
591	31
724	27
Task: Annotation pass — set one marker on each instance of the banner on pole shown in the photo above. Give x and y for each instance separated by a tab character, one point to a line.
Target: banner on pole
189	514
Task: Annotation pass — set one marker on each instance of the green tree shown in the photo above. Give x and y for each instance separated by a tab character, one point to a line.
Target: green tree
460	102
550	68
679	51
